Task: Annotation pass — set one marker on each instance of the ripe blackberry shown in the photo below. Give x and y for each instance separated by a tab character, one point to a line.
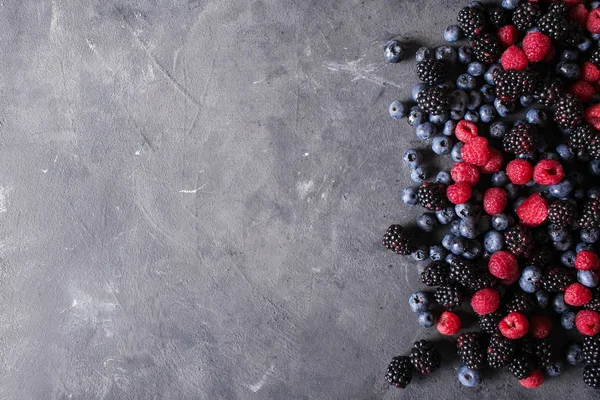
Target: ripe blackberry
544	353
432	71
594	149
590	214
520	302
424	357
470	275
497	16
558	8
399	372
569	111
449	296
433	100
471	348
526	15
522	139
556	280
591	349
595	57
500	352
593	305
559	28
397	239
512	84
432	196
591	376
472	21
581	136
522	366
518	240
486	48
436	273
489	322
548	92
562	212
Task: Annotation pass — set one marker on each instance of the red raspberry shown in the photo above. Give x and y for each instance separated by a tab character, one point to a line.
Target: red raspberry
588	322
533	211
514	326
449	323
507	35
511	279
540	326
573	2
514	58
548	172
459	193
536	46
587	260
577	295
476	151
593	21
579	14
463	172
465	130
494	201
532	381
519	171
503	265
494	164
485	301
582	89
592	116
589	72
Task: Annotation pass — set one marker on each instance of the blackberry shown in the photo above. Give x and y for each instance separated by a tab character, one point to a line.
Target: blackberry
548	92
497	16
432	71
526	15
544	353
522	366
562	212
591	376
489	322
512	84
556	280
500	352
449	296
470	275
433	100
436	273
397	239
486	48
595	57
581	136
472	21
541	256
522	139
424	357
432	196
559	28
399	372
594	149
593	305
558	8
520	302
518	240
569	111
591	350
590	214
471	349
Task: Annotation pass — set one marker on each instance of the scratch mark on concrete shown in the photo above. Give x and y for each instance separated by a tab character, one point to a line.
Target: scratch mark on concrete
4	191
256	387
193	190
366	72
94	50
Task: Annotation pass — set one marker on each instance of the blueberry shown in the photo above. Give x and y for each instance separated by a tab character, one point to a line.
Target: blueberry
562	189
420	253
596	37
424	53
593	192
589	235
575	354
583	156
415	116
488	76
426	319
418	174
499	179
555	369
564	152
532	274
455	227
542	298
584	246
458	246
443	177
446	86
455	152
476	4
588	278
475	100
469	377
466	82
439	119
416	89
451	258
446	53
409	196
468	228
594	167
498	129
449	128
559	303
511	191
568	70
563	245
448	240
579	194
487	113
441	144
418	302
536	117
473	250
503	109
437	253
412	158
493	241
472	116
526	286
465	210
567	320
585	44
425	130
500	222
476	68
526	100
510	4
465	54
457	115
488	92
569	55
427	222
567	258
595	4
452	33
557	233
393	51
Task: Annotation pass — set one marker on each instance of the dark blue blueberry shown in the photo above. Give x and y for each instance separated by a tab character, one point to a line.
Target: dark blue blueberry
446	53
593	192
567	320
426	319
418	174
468	228
437	252
511	191
499	179
465	54
448	240
532	274
393	51
452	33
557	233
536	117
420	253
451	258
596	37
588	278
575	354
584	246
455	152
466	82
476	4
457	115
424	53
458	100
476	68
561	190
579	194
558	303
469	377
455	227
500	222
493	241
439	119
412	158
526	286
487	113
415	116
534	29
446	86
398	110
441	144
445	215
409	196
526	100
542	298
594	4
416	89
584	45
564	152
427	222
555	369
458	246
474	250
488	92
419	302
489	74
444	178
475	100
503	109
449	128
472	116
589	235
567	258
531	183
569	55
564	244
568	70
425	130
594	167
466	210
510	4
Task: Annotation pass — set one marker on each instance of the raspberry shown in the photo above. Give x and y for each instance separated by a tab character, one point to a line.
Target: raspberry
459	193
579	14
589	72
507	35
587	260
503	265
514	58
592	116
519	171
485	301
577	295
593	21
494	201
533	381
466	130
582	89
511	279
548	172
536	46
514	326
494	164
533	211
476	151
463	172
540	326
588	322
449	323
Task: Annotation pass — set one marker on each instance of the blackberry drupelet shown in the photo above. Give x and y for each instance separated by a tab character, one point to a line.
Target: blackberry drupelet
436	273
432	196
556	280
595	57
489	322
589	218
594	149
449	296
548	92
569	111
433	100
399	372
500	352
526	15
520	302
581	136
512	84
522	139
432	71
486	48
591	376
470	275
397	239
593	305
518	240
522	366
471	348
562	212
591	350
558	8
497	16
424	357
544	353
472	21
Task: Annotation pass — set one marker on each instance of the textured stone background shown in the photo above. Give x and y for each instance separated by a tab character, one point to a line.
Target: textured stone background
192	196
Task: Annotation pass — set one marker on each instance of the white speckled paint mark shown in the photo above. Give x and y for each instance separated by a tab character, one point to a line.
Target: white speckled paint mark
256	387
4	191
304	188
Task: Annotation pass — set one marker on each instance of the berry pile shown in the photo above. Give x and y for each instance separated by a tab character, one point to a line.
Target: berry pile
517	110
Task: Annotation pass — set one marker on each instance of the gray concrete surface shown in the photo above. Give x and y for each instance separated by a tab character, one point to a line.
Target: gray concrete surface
192	196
